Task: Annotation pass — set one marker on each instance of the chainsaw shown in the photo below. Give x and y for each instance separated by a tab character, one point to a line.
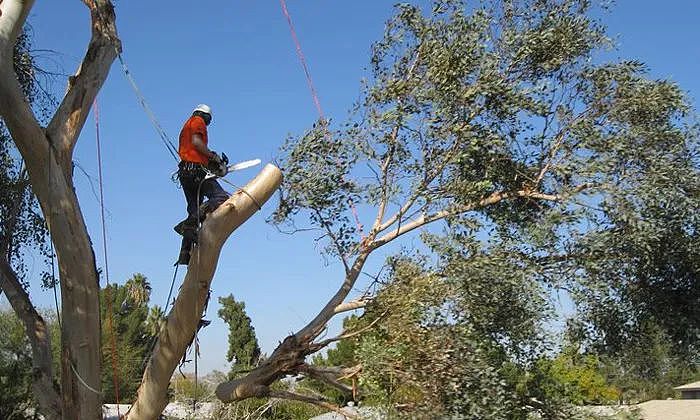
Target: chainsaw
222	168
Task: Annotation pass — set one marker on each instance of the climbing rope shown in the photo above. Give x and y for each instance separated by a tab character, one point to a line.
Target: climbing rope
169	146
108	294
316	101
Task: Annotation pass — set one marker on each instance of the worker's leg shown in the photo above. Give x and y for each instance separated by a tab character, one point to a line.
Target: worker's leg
190	181
194	194
214	193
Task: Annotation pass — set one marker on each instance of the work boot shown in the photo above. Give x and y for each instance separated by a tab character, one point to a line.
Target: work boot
187	228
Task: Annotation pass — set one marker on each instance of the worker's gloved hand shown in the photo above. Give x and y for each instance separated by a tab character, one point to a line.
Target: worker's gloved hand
217	165
215	158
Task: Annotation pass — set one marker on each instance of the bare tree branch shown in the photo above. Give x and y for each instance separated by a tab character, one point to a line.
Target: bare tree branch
352	305
39	338
344	334
186	312
325	377
490	200
334	239
312	400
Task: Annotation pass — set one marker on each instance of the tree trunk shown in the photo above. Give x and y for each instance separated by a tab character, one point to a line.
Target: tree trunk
183	319
48	157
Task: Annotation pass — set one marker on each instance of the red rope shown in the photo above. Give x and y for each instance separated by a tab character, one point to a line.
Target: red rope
300	54
314	96
110	309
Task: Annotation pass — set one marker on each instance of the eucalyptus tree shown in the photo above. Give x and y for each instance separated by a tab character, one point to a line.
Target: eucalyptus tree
22	227
47	151
493	117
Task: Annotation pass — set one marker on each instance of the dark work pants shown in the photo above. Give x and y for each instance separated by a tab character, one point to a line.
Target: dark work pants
196	188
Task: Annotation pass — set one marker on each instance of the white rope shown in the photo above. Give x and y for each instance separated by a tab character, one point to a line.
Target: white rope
82	381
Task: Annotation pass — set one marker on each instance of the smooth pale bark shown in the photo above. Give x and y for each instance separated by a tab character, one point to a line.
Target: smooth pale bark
183	319
48	157
45	392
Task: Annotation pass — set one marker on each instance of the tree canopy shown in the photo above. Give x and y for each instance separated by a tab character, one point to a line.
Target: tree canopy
553	171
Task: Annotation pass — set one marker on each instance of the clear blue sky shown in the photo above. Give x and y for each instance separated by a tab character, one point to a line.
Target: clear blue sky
239	58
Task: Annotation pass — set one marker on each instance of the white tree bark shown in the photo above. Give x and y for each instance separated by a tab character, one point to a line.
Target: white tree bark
47	154
184	317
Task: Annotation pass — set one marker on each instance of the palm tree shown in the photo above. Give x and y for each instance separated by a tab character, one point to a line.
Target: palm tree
154	320
138	289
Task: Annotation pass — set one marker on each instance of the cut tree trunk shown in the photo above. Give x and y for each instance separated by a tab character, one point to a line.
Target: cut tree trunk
183	319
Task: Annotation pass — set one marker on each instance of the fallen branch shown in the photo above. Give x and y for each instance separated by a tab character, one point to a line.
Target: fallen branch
325	377
311	400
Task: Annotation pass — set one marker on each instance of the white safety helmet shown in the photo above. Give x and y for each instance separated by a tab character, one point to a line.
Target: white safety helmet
203	108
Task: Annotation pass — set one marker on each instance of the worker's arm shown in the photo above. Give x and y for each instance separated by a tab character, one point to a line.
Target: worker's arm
202	148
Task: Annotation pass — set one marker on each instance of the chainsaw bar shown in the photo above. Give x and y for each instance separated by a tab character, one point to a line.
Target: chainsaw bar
243	165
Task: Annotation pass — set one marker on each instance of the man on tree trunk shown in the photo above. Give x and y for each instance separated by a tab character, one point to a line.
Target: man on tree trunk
195	157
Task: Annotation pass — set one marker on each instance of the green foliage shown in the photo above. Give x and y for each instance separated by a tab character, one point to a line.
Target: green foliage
552	173
155	321
243	350
649	367
184	389
126	330
16	398
15	369
570	377
431	355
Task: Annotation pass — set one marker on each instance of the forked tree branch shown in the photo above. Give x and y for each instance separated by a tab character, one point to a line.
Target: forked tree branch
389	157
290	354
